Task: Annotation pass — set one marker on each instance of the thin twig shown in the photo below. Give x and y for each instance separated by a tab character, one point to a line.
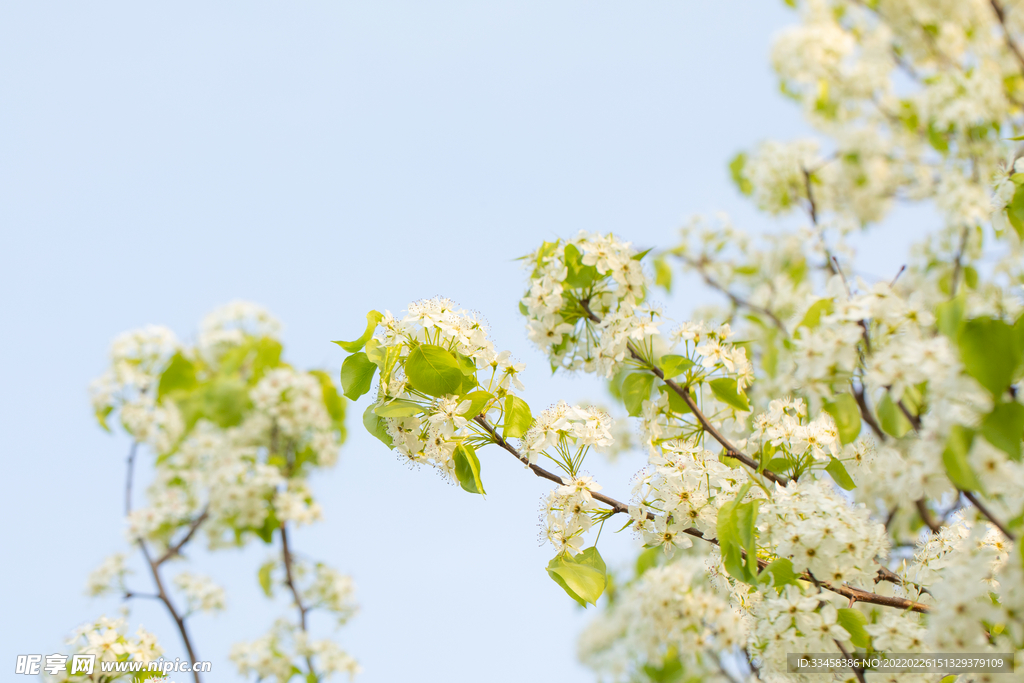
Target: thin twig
154	567
290	582
969	495
130	476
926	515
176	548
1010	42
164	598
958	262
684	393
620	507
846	656
865	412
737	300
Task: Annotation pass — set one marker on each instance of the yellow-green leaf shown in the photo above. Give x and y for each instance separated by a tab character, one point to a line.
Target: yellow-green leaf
846	413
726	390
357	375
433	370
467	468
518	417
372	318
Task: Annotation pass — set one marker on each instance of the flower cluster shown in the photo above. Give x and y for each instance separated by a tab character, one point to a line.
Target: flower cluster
576	280
270	656
820	532
200	592
669	615
569	431
427	414
236	433
107	640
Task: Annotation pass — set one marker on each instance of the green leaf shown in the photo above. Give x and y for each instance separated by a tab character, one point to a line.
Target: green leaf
579	276
954	457
375	425
949	315
372	318
725	390
1015	212
467	468
268	357
846	413
518	417
735	530
672	365
357	375
466	364
990	353
839	474
891	418
333	402
1004	428
778	465
737	172
812	318
668	670
675	401
180	375
780	573
225	401
400	407
264	577
433	370
854	621
636	389
662	274
477	401
583	577
648	559
101	416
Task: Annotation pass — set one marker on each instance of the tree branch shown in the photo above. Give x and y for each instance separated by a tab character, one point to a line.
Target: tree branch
290	582
620	507
164	598
976	502
684	393
737	301
154	567
130	476
176	548
1010	42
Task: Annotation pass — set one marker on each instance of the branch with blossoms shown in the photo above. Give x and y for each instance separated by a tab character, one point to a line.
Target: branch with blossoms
766	502
235	432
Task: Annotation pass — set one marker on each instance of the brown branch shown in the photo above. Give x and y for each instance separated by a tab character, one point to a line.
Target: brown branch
859	671
812	207
176	548
976	502
164	598
154	568
290	582
1010	42
620	507
926	515
865	412
737	301
730	450
130	476
958	262
915	420
684	393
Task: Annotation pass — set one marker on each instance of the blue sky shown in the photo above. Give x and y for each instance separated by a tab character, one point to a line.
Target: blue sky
324	159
